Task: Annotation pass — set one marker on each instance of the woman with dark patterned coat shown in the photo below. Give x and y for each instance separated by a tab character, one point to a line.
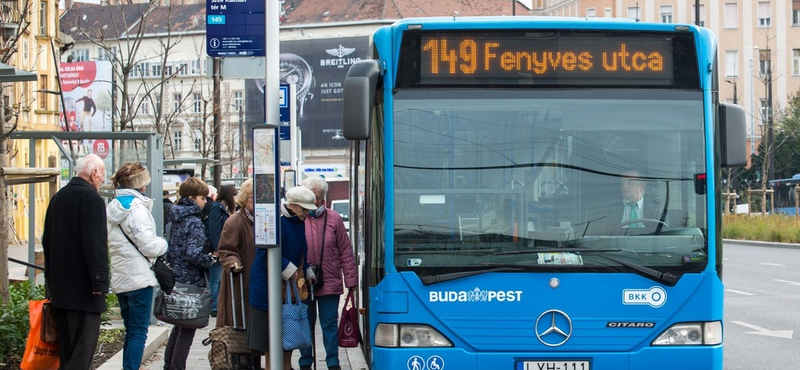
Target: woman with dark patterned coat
188	261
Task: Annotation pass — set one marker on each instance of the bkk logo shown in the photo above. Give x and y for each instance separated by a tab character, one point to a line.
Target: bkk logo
476	295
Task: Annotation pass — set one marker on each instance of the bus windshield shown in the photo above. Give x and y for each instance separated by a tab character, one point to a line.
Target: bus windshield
549	179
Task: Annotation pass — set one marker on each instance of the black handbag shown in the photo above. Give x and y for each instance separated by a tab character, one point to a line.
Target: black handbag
161	268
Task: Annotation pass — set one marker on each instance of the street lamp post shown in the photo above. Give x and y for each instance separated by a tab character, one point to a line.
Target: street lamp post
752	110
242	170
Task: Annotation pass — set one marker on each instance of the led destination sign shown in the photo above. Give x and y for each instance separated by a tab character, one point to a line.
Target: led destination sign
546	58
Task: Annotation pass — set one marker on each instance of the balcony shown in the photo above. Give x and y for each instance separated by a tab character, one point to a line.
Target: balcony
10	17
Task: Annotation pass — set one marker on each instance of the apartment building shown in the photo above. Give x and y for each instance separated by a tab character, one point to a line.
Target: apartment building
32	42
759	44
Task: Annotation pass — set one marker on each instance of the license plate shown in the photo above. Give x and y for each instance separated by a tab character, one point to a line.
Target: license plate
555	365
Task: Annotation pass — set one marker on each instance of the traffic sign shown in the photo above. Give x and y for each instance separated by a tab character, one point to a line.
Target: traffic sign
235	28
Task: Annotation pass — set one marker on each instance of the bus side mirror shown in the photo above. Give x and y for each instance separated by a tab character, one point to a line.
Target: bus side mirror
358	98
732	136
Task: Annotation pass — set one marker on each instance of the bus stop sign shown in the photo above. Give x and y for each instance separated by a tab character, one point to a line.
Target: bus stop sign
235	28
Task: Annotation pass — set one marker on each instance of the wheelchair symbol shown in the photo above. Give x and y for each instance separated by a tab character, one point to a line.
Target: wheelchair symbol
435	363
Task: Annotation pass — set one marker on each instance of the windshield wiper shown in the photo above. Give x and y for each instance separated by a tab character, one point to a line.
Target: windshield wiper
662	277
431	279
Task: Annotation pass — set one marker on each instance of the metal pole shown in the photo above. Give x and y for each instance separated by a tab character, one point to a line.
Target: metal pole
752	110
217	125
242	170
271	93
697	12
770	145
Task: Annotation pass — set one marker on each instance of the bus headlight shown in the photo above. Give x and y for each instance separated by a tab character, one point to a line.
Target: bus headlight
409	335
691	334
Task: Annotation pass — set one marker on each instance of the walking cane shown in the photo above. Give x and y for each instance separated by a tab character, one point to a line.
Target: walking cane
313	329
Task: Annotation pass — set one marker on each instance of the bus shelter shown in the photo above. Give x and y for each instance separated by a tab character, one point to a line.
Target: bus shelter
116	148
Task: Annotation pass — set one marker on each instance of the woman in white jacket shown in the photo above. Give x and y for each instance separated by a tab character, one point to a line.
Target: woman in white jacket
130	227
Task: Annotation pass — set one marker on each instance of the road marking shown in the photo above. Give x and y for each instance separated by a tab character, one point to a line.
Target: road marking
772	264
788	282
787	334
738	292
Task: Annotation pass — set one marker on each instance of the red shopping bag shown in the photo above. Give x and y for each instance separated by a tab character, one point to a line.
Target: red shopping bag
349	333
39	355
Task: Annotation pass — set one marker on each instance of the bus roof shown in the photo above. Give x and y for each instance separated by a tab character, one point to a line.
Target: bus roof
501	22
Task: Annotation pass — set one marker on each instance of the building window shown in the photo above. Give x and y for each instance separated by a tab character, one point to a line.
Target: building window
196	67
43	19
197	104
796	14
764	62
144	69
198	139
796	62
183	69
176	140
764	19
157	100
156	69
237	101
666	13
110	54
80	55
732	63
764	110
43	92
731	16
609	14
176	102
590	13
633	12
763	67
144	107
702	22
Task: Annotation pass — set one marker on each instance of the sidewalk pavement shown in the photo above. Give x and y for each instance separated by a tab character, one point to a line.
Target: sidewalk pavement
349	358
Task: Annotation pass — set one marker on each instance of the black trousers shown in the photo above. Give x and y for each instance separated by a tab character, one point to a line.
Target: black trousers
77	338
178	345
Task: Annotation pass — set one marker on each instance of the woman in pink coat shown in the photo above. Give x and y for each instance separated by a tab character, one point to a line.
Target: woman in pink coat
327	238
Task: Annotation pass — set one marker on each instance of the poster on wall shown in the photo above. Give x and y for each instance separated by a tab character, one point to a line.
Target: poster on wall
86	89
318	69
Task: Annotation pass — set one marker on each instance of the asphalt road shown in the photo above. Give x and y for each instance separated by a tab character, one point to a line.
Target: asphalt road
762	306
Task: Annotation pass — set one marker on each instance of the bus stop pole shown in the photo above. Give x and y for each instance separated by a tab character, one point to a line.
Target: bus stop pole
271	94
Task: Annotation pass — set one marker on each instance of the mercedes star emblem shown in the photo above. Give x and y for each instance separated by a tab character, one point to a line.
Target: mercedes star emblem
553	328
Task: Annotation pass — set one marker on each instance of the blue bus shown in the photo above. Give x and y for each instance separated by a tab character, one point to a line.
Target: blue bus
491	157
784	195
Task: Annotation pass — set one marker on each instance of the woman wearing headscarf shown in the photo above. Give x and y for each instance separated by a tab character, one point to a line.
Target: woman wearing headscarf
294	210
132	242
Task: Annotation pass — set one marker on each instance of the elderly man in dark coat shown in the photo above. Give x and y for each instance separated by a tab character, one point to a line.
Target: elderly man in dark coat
75	243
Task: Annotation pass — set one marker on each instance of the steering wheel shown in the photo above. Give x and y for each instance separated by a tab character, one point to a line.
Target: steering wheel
639	221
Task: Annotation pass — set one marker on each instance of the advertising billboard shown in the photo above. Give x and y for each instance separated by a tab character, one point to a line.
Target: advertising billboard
86	89
317	68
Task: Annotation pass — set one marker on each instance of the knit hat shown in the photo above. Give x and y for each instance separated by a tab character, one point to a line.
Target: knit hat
302	197
136	178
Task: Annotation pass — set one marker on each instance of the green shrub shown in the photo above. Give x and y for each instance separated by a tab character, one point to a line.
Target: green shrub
14	320
771	228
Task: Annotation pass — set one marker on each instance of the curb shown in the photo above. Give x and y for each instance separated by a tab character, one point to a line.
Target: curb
157	336
355	357
761	244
